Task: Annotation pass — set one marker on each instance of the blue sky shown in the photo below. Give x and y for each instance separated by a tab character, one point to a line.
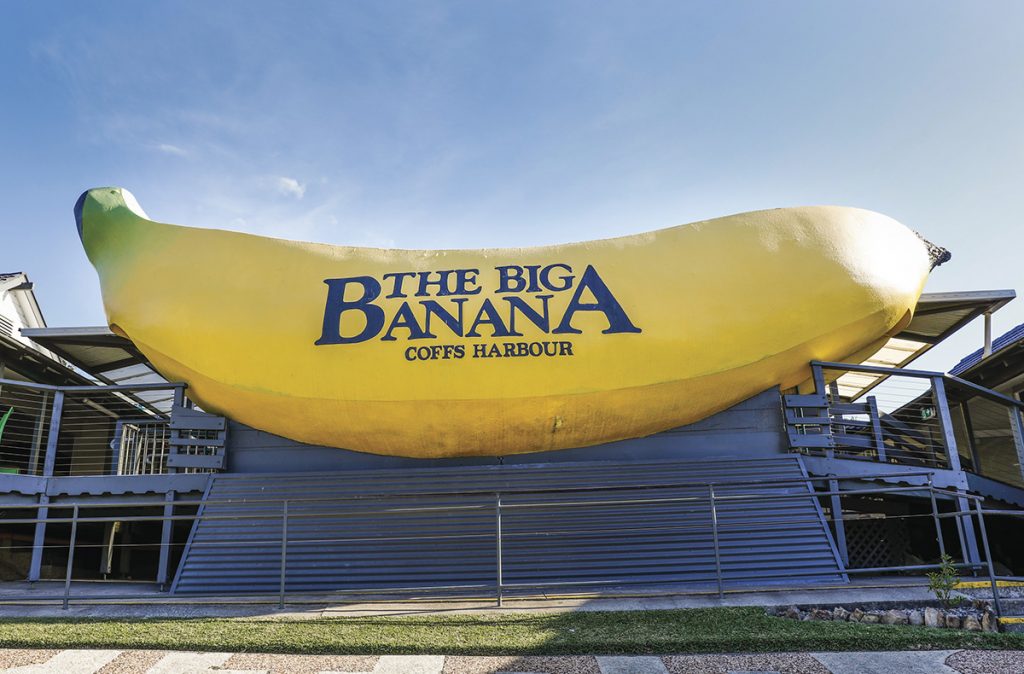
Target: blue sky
468	124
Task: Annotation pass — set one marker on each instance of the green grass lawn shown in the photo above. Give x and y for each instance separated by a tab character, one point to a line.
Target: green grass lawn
678	631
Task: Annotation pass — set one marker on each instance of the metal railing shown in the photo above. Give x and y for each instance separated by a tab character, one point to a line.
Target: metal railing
84	430
913	418
709	498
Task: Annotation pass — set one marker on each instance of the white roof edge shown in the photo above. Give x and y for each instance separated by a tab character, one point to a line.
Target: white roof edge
994	295
91	331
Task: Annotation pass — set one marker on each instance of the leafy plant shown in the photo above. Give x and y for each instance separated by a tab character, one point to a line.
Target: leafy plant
943	583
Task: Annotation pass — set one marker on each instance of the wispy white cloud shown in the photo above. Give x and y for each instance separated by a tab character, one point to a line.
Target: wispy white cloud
167	148
290	187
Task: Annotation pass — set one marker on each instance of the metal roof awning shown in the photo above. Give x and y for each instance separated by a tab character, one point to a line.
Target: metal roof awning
937	316
107	357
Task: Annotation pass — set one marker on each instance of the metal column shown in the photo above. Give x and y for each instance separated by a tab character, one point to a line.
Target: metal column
167	527
970	548
49	462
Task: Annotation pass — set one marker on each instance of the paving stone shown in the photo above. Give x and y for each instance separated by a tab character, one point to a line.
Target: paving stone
887	662
69	662
301	664
409	664
614	664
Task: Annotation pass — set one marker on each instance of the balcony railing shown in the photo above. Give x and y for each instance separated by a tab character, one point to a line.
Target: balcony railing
913	418
56	431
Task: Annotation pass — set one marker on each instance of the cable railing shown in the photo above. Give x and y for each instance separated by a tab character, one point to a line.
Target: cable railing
83	430
281	526
912	418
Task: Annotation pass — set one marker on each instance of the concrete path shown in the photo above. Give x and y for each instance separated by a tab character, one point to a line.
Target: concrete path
163	662
106	600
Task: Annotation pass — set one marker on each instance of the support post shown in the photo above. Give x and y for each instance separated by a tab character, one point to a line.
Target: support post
284	551
50	460
37	434
71	557
166	529
1017	428
965	410
986	351
819	379
714	535
39	539
497	537
837	521
970	542
876	429
935	515
988	559
945	423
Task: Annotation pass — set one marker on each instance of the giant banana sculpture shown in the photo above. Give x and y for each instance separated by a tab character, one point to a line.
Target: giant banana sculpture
442	353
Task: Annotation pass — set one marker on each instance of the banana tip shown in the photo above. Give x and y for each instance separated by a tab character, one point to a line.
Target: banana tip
78	213
937	254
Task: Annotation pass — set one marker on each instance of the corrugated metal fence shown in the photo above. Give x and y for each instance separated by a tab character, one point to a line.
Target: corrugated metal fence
515	528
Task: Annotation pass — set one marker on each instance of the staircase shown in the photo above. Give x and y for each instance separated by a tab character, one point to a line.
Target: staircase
434	529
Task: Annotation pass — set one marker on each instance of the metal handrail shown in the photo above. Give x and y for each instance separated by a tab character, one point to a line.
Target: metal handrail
711	499
113	388
487	492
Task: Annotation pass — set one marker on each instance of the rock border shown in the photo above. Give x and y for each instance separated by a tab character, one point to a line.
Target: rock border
977	618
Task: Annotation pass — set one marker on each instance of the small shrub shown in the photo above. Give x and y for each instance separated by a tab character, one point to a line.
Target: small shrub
944	581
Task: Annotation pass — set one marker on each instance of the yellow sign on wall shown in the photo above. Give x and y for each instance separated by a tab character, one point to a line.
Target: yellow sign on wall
493	352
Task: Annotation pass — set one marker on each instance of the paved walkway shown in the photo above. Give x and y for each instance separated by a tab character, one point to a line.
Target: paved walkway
164	662
106	601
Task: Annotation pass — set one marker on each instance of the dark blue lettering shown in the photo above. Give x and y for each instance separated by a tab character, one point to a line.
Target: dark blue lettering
435	309
337	305
542	321
488	315
605	302
404	318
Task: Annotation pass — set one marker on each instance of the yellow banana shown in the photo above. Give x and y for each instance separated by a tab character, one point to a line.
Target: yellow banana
490	352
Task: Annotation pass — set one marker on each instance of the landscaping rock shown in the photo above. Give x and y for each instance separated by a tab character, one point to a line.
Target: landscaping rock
972	624
793	613
915	618
872	617
953	621
821	614
856	615
989	622
840	613
894	617
933	617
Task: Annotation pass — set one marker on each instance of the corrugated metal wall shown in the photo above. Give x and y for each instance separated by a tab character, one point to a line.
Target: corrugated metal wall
435	529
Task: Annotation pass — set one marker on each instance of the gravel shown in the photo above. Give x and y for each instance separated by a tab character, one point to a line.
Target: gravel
132	662
785	663
19	657
987	662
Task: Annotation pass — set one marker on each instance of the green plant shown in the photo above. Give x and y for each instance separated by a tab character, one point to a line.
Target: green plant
944	581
